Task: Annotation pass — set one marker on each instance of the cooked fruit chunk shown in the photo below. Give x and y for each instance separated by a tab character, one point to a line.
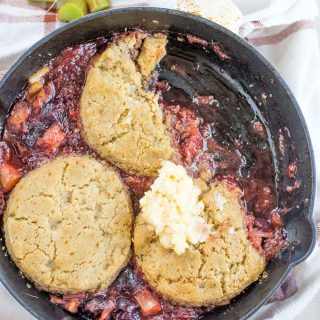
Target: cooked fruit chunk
52	138
34	88
19	114
276	220
261	234
148	303
107	311
38	74
43	97
73	305
9	176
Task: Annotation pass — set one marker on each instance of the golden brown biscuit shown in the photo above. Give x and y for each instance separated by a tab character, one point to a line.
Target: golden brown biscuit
152	51
210	273
68	225
120	119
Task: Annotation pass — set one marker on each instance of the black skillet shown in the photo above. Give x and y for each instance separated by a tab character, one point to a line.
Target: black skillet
247	75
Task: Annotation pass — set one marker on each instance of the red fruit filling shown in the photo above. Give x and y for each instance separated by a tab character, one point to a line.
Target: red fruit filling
44	122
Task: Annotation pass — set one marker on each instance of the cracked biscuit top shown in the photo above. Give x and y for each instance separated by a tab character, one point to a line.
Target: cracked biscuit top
209	273
68	225
121	120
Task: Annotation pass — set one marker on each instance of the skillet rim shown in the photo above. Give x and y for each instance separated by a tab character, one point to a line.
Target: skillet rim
309	214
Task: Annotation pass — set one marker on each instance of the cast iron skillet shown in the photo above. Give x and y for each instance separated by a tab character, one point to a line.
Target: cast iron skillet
247	74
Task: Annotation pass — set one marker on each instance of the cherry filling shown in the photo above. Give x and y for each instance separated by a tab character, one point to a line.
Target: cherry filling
43	124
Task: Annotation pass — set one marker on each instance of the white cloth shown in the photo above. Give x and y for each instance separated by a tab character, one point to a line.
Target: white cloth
284	33
297	59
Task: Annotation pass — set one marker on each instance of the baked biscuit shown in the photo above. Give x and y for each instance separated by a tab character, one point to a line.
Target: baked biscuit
120	119
209	273
68	225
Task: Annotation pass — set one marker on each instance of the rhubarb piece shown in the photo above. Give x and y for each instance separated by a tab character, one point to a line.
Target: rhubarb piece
38	74
52	138
98	5
148	303
56	300
72	9
39	101
107	311
260	233
219	51
43	97
276	220
9	176
34	89
196	40
72	305
19	114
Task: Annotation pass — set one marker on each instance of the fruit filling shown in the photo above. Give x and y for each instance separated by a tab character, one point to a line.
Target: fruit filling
44	123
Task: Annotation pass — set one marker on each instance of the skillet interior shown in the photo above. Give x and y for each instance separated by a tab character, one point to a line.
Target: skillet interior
237	75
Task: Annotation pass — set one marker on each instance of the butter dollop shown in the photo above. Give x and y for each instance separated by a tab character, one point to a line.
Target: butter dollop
172	209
